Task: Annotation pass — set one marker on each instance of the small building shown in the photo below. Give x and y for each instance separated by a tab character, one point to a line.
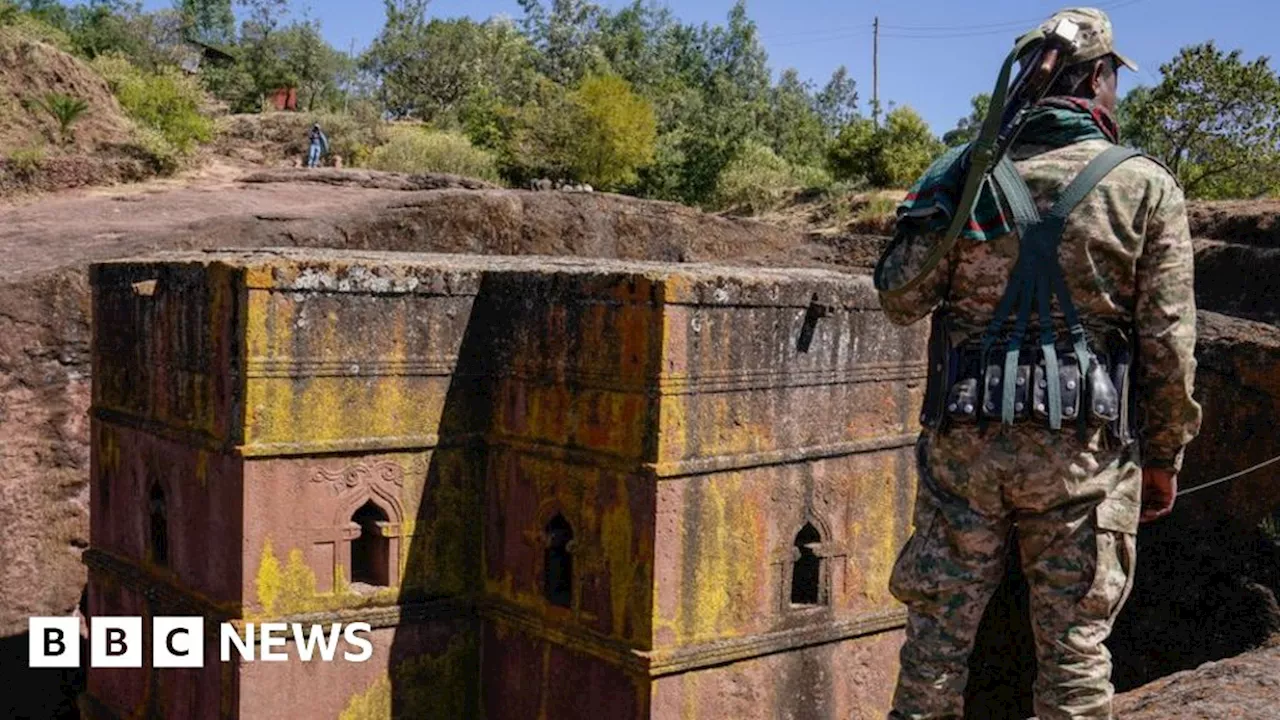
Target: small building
283	99
554	488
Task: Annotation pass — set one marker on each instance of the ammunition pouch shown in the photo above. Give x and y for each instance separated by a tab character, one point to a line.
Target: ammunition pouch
966	388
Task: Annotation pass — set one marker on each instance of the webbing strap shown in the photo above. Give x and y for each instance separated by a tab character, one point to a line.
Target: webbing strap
1017	194
1081	186
1038	275
1088	179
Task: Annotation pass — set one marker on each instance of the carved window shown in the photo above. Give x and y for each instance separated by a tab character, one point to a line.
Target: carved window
371	550
558	562
808	571
158	516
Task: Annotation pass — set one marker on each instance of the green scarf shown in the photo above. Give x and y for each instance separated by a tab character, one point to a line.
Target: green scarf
1053	123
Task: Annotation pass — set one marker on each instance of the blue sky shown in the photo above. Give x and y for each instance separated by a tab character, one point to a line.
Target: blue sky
936	70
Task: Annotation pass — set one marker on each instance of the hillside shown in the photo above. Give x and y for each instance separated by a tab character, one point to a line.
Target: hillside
102	146
29	71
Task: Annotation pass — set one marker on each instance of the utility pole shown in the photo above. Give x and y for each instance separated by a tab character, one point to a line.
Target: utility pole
346	96
875	72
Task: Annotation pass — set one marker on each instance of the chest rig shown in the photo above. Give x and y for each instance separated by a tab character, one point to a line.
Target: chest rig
1008	376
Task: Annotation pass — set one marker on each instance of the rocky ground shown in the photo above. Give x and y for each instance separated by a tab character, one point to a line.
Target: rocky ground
1208	577
1245	687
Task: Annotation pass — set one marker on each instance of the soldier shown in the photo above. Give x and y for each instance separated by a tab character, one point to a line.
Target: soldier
1074	495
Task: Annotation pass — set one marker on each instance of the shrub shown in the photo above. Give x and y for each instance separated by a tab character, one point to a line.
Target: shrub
891	156
66	110
616	131
419	150
756	180
152	146
9	12
876	214
166	101
33	28
27	161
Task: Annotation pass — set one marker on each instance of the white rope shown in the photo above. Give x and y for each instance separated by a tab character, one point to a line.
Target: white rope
1229	478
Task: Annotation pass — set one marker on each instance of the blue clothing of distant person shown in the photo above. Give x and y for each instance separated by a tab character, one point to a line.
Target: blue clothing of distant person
319	146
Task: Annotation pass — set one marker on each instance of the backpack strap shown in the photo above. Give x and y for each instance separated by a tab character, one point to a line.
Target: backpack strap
1038	274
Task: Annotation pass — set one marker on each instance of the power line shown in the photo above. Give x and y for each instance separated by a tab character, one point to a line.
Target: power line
920	32
1118	4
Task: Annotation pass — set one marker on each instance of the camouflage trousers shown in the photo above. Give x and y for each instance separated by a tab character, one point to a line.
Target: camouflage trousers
1074	505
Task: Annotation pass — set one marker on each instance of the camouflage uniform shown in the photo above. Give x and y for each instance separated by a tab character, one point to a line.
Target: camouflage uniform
1074	503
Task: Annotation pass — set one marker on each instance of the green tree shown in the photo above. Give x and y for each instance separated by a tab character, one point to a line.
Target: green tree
837	102
542	135
312	65
798	132
260	55
9	12
50	12
890	156
1214	119
967	129
434	69
209	21
616	134
567	36
729	68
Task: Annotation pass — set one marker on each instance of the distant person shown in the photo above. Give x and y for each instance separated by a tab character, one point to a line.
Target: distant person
319	146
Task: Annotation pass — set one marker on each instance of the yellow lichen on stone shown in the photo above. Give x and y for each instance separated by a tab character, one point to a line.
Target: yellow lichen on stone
268	579
202	467
297	586
616	534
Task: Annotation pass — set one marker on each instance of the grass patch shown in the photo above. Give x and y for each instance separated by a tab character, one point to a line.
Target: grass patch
27	161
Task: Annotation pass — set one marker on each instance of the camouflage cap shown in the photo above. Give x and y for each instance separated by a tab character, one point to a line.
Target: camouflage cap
1095	38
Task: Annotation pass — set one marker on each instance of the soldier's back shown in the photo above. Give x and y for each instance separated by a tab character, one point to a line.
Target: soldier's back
1105	236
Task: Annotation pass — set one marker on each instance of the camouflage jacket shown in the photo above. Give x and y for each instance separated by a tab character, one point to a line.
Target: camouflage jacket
1129	263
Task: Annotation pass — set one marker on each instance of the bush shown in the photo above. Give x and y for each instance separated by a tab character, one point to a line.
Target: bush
27	161
166	101
159	153
894	155
616	131
419	150
9	12
756	180
33	28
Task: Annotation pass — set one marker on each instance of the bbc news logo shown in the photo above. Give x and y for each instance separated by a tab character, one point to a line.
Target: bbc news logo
179	642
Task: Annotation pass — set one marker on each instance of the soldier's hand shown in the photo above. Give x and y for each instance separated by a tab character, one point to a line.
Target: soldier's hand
1159	490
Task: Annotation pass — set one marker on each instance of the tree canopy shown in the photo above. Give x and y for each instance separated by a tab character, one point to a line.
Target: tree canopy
1214	119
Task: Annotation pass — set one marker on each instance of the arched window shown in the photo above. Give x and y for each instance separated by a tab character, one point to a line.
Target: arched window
158	514
371	551
558	562
806	573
